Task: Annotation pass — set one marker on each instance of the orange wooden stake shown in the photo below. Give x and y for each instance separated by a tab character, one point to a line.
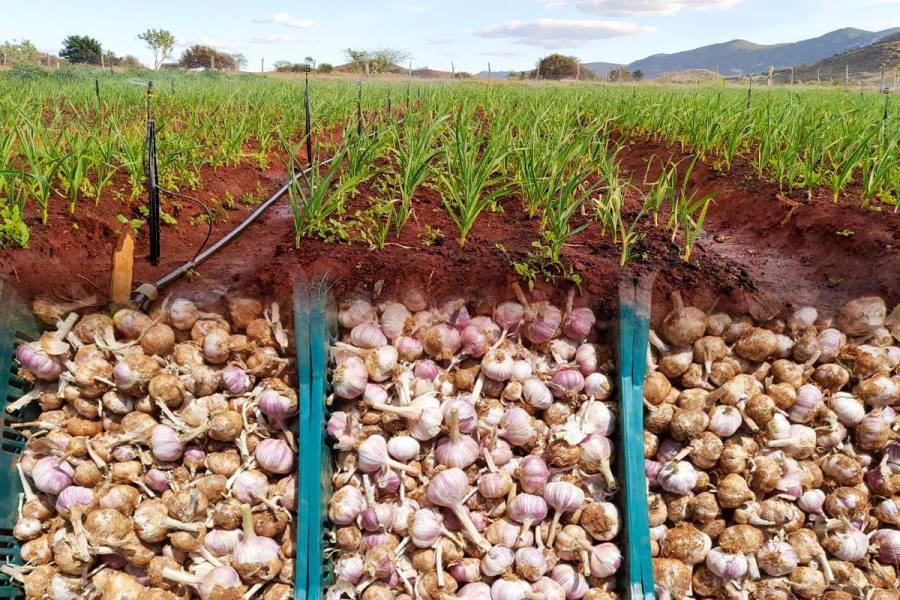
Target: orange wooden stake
122	272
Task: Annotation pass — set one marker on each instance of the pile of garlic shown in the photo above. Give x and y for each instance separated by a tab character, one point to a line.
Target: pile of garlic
771	454
472	450
161	465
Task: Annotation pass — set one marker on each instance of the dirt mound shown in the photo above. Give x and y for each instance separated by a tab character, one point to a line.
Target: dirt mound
762	250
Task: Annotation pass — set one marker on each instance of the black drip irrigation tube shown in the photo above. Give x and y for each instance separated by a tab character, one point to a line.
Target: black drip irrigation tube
147	292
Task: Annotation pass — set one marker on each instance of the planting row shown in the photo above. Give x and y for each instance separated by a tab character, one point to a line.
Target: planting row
475	145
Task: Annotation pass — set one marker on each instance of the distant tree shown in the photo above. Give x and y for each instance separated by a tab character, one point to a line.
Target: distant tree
378	60
16	52
637	75
161	42
620	74
326	68
558	66
81	49
240	61
128	61
200	56
282	65
310	61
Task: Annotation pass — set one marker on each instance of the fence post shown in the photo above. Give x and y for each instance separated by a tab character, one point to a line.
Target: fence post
771	74
489	71
97	91
883	89
847	77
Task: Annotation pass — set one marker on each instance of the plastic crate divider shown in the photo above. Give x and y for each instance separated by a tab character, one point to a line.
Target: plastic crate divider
643	298
323	328
301	308
633	327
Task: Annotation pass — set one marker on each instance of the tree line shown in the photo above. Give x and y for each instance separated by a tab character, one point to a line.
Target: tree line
84	49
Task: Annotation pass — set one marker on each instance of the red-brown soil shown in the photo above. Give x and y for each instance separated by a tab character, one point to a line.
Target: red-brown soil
761	251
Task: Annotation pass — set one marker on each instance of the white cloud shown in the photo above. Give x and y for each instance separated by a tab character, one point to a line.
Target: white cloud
279	38
561	33
283	18
553	3
617	8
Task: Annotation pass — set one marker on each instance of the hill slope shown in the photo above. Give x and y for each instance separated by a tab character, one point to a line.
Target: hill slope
863	63
739	57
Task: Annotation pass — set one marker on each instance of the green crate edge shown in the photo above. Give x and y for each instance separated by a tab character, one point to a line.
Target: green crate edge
14	321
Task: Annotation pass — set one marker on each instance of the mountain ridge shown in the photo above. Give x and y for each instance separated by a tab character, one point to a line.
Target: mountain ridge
742	57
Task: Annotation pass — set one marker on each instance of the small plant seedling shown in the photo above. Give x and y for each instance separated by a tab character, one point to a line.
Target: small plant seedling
136	224
432	236
845	232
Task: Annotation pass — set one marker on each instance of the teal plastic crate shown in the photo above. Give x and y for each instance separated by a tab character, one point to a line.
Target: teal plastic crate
301	308
314	303
318	462
634	326
16	326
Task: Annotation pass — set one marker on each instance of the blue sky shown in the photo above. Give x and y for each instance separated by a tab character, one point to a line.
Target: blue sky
510	34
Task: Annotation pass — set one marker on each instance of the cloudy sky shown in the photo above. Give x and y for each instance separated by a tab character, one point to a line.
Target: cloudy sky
510	34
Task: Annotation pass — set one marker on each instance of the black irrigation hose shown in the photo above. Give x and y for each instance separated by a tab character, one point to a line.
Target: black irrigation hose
209	216
147	292
165	280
